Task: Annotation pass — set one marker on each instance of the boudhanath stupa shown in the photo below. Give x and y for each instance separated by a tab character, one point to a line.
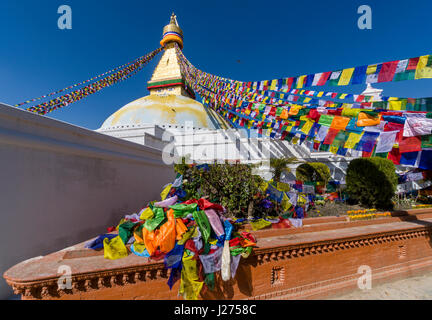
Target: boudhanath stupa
170	114
77	181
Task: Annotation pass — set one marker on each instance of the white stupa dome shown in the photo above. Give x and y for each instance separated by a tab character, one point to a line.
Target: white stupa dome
161	110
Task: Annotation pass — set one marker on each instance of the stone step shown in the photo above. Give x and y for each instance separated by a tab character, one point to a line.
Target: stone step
327	223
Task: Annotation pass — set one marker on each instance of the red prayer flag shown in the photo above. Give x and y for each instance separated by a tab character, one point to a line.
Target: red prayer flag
360	98
324	77
367	154
392	113
290	82
387	72
410	144
331	135
412	64
394	156
314	115
335	112
392	126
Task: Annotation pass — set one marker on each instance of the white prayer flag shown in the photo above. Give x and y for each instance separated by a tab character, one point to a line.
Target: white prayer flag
415	126
386	141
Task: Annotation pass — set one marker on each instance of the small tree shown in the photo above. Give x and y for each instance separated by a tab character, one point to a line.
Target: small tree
313	172
372	182
231	185
279	165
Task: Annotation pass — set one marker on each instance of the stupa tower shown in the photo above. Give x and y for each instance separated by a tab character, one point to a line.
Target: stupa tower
171	103
167	77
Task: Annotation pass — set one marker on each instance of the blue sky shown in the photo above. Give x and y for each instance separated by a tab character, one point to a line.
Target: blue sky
243	40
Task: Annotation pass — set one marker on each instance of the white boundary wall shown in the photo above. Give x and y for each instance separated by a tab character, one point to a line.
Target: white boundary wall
61	184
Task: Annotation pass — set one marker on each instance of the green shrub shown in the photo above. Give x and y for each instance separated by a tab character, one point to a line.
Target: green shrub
372	182
233	186
313	171
279	165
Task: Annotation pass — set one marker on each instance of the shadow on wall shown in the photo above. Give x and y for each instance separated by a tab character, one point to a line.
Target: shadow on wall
224	290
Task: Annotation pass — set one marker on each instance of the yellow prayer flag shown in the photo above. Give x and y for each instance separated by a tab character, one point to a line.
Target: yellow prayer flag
423	71
114	249
260	224
273	85
352	140
301	199
320	94
371	69
345	77
281	186
294	110
307	126
166	191
285	203
333	149
190	286
263	186
395	105
300	81
147	214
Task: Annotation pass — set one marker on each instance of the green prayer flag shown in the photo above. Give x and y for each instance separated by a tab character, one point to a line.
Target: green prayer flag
126	231
203	224
326	120
181	210
324	147
210	281
154	223
382	155
340	139
426	141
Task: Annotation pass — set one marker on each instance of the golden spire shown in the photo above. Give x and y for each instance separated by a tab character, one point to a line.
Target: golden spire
167	77
172	32
174	19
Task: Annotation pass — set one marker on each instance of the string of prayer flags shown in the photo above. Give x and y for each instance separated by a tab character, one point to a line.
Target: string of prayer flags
110	79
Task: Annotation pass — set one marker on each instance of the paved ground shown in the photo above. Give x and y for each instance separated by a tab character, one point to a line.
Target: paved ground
415	288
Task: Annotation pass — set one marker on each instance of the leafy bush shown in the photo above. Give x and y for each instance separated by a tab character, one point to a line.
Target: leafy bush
372	182
233	186
279	165
313	171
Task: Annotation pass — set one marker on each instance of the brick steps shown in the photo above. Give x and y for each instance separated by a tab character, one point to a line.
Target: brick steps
329	223
312	262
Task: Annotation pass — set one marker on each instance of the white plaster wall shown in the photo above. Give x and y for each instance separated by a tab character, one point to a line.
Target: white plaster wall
61	184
